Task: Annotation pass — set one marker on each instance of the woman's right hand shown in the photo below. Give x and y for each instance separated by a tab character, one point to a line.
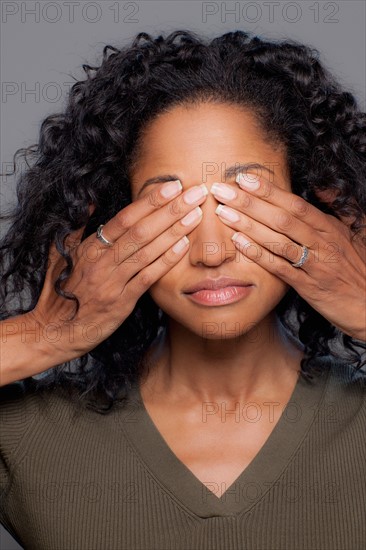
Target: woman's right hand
106	280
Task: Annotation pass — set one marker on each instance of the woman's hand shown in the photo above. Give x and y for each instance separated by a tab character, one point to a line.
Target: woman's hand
107	280
273	224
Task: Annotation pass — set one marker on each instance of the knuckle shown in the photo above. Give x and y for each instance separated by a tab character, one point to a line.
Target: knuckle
246	223
267	189
145	279
245	200
154	199
175	230
139	233
124	220
168	259
99	297
284	220
300	207
176	208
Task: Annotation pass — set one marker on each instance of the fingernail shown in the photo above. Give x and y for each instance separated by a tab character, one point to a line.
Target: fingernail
180	245
227	213
194	194
192	216
248	181
171	188
223	191
239	238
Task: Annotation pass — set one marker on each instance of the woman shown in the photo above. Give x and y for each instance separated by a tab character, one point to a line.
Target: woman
229	377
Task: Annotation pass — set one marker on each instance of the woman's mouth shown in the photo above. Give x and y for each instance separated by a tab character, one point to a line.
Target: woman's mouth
220	296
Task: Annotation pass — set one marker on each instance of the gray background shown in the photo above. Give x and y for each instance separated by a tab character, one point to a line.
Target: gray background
44	43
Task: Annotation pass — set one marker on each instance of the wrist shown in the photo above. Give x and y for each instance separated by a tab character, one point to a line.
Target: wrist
55	341
29	347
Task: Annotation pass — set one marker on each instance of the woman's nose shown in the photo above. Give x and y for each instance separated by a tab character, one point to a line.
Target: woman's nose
210	240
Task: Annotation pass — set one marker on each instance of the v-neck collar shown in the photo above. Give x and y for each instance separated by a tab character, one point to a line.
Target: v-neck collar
255	480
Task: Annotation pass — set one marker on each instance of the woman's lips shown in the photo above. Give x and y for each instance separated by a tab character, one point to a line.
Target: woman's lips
220	296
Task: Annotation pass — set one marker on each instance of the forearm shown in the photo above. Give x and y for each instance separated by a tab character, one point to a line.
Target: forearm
28	348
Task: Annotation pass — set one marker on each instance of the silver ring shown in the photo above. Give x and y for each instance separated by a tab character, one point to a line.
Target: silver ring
101	237
304	256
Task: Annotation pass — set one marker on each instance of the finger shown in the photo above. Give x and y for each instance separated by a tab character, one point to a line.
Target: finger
154	271
267	238
149	253
135	211
281	268
274	217
295	206
153	225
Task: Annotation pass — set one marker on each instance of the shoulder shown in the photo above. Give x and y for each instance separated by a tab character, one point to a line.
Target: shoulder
346	376
340	372
31	417
17	406
21	407
346	391
26	411
19	412
20	401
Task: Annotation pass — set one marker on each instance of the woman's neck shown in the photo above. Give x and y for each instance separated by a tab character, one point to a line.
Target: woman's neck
261	363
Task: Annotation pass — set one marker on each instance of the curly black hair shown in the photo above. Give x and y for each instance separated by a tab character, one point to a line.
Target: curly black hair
85	154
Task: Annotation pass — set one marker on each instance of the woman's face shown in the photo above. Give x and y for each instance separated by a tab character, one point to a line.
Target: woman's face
197	144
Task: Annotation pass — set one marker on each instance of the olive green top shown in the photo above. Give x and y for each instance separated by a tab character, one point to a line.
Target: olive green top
84	481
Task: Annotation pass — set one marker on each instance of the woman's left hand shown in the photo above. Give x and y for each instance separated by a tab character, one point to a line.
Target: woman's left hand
272	226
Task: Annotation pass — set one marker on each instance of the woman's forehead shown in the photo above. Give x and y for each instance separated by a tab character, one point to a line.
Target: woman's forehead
204	142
